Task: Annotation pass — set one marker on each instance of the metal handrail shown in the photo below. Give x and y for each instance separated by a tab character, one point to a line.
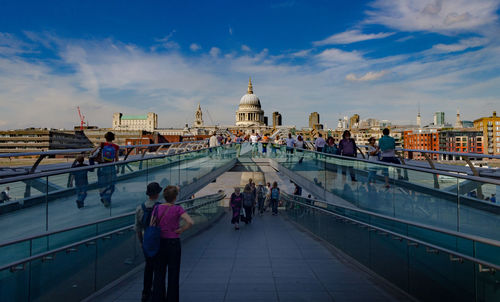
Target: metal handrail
409	239
72	245
92	223
91	167
476	238
70	151
410	167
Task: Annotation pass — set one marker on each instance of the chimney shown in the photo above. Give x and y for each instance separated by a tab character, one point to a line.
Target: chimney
494	114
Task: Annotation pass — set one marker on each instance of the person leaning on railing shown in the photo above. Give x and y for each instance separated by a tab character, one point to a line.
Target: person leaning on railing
347	147
387	146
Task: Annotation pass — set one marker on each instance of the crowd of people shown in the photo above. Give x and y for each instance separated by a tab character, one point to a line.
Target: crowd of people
253	199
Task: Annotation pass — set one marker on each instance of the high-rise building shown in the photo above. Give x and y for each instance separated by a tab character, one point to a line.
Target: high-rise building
313	120
419	120
461	141
490	126
276	119
354	121
439	119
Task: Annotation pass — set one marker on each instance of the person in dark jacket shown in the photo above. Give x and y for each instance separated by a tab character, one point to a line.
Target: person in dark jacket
248	203
347	147
236	203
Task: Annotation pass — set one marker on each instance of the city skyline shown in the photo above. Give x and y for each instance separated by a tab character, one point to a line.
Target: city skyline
378	59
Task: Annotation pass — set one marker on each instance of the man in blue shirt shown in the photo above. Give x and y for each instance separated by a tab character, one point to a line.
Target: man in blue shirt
387	146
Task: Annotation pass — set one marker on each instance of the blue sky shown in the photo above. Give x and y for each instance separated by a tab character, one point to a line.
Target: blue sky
376	58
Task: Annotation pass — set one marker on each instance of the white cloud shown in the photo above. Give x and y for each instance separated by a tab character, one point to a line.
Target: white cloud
369	76
350	36
106	76
214	51
245	48
194	47
442	16
337	56
301	53
460	46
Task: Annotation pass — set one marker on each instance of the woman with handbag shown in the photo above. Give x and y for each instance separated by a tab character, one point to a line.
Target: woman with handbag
166	217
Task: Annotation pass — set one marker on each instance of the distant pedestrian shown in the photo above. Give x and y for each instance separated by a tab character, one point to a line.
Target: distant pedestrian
275	198
267	202
254	140
248	203
387	146
167	216
236	203
298	190
265	143
373	155
254	196
274	145
261	197
213	141
290	144
81	181
142	219
5	195
347	147
330	146
493	198
299	144
319	143
106	176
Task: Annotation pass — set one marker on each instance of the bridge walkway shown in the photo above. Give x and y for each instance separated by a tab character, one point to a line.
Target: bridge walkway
268	260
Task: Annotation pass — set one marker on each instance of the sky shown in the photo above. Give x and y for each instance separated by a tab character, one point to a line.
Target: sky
380	59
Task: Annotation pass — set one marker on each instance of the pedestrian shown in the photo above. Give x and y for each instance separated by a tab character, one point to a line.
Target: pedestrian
254	140
265	143
319	143
5	195
290	144
167	216
347	147
236	203
267	202
81	181
373	155
493	198
274	145
299	144
213	141
248	203
106	176
387	147
261	197
298	190
275	197
142	219
330	146
254	196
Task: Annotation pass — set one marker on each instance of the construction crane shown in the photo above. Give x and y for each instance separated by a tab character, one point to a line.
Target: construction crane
82	119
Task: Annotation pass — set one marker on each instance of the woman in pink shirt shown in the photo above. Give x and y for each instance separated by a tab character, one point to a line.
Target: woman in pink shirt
167	216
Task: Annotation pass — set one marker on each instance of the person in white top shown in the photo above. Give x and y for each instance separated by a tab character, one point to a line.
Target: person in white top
320	143
299	144
254	139
290	144
213	141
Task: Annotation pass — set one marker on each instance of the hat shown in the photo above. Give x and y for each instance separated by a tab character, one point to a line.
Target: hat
153	189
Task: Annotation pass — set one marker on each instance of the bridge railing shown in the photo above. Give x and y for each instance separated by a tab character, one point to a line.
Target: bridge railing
429	263
73	271
462	203
48	200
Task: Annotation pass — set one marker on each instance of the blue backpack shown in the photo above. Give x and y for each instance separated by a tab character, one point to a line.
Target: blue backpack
108	153
152	236
275	193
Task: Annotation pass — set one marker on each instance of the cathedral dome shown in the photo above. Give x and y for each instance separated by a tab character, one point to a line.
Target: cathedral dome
250	99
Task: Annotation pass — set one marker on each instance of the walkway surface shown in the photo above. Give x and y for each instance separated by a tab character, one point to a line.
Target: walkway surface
268	260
